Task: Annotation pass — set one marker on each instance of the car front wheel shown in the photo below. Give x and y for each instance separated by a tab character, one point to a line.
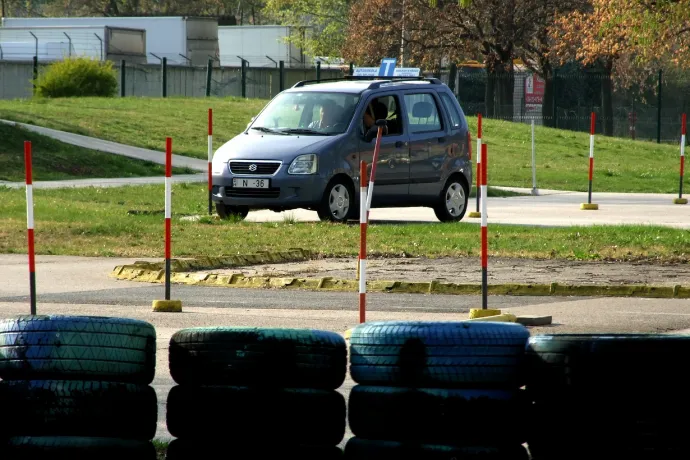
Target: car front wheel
337	204
453	201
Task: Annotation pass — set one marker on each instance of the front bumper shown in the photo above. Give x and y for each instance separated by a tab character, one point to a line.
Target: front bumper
285	191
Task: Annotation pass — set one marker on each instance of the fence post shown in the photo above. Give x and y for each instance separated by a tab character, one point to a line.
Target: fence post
244	78
122	78
281	70
318	71
35	72
209	72
555	93
164	77
658	113
452	75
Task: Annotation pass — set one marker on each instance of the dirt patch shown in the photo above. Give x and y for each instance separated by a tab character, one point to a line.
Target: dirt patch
468	270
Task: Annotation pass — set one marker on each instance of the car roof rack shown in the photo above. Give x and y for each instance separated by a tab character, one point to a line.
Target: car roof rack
374	85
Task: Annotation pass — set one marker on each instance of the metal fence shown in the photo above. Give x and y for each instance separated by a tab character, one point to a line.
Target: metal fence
567	99
146	80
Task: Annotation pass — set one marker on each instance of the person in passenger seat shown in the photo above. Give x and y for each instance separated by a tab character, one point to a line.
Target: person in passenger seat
375	111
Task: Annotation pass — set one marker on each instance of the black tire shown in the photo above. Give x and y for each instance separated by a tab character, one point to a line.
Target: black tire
75	408
454	196
77	348
226	211
298	358
76	448
202	449
603	429
438	416
616	365
438	354
365	449
315	417
344	189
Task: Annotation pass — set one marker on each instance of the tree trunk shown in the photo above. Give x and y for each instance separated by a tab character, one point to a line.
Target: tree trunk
607	99
506	88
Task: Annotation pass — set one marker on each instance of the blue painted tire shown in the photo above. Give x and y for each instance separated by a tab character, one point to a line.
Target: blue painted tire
439	354
76	448
77	348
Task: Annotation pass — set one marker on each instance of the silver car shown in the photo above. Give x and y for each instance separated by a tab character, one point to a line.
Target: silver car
304	148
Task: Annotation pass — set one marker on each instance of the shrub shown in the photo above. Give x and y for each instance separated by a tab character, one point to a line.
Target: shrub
77	77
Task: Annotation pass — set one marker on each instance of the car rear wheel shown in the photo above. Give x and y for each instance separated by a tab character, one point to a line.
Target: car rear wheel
338	202
452	204
225	211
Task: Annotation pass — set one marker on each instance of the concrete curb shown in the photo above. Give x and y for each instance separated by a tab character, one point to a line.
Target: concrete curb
155	273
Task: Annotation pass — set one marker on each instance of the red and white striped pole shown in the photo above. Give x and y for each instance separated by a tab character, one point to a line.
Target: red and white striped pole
363	218
479	155
210	159
30	223
591	155
168	212
375	160
485	237
680	199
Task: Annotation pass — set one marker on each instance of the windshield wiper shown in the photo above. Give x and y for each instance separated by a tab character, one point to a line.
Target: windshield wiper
264	129
305	131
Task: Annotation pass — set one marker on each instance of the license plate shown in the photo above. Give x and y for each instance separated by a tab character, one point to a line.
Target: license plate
251	183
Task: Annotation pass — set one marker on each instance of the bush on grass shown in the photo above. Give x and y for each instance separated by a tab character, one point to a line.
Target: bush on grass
78	77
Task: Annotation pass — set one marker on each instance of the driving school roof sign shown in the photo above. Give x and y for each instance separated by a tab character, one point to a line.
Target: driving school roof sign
387	69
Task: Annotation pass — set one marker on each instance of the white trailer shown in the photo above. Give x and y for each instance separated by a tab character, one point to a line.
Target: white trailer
55	43
182	40
261	46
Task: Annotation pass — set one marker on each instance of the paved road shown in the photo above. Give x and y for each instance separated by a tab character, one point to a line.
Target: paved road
81	286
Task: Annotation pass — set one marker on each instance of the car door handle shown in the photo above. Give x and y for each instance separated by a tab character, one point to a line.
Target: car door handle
441	139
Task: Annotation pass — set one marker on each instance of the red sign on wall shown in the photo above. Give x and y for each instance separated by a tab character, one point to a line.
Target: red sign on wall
534	89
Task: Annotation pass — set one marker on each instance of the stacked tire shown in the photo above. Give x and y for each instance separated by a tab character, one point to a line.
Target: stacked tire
77	387
256	394
437	391
608	396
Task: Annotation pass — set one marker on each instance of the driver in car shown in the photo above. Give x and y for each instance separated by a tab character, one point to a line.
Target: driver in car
328	115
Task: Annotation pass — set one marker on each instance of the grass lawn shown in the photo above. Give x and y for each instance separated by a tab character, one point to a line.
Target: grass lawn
96	222
54	160
621	165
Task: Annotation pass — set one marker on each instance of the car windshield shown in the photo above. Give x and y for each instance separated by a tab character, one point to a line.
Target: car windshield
307	113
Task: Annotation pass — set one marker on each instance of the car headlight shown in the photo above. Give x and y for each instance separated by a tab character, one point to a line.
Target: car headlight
304	164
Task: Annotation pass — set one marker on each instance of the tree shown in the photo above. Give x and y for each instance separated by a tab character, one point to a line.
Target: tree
321	24
628	39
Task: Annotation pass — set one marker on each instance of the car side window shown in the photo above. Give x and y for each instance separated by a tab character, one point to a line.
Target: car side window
383	107
422	113
452	110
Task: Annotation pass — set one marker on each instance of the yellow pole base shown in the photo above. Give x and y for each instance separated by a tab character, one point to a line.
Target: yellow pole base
167	306
474	214
504	318
589	206
480	313
680	201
